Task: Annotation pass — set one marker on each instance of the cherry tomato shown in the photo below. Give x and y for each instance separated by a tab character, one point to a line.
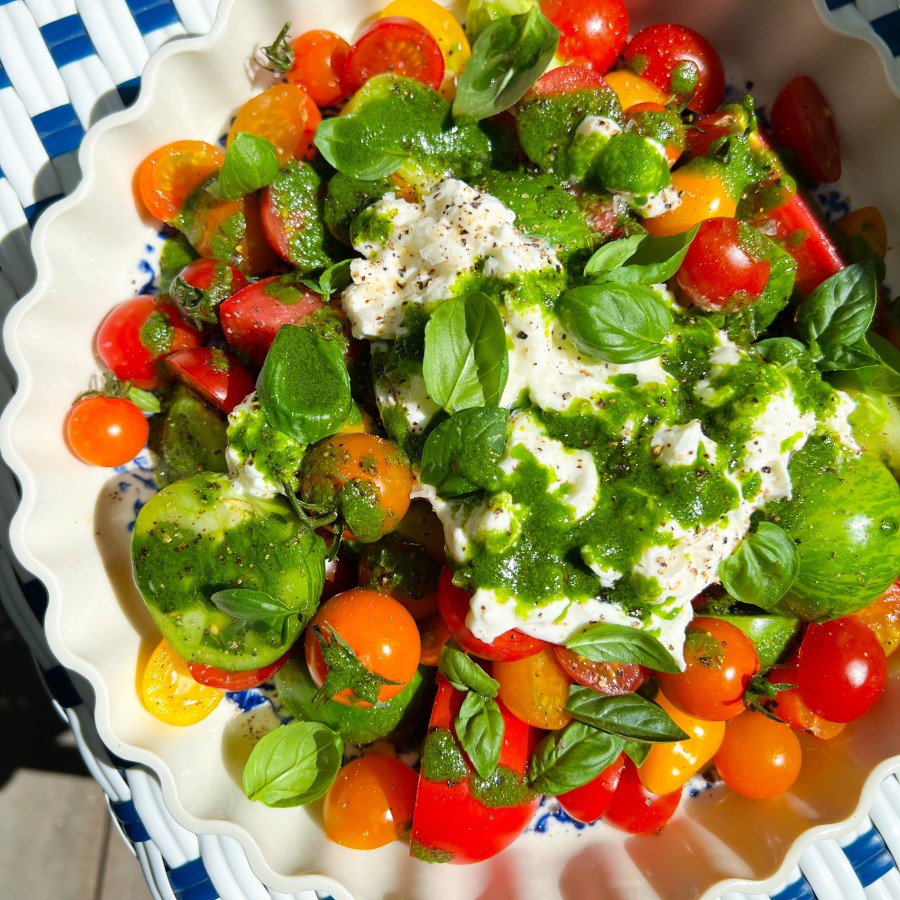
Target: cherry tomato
592	33
170	693
604	677
370	802
106	431
434	633
364	477
841	669
759	757
235	681
719	271
283	114
681	62
381	633
404	571
883	617
588	802
535	689
654	120
635	809
703	196
201	286
320	58
566	78
453	604
705	130
213	374
632	90
397	45
803	124
866	224
789	706
169	175
139	332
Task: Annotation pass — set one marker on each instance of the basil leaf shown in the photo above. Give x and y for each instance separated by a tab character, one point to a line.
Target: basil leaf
763	567
836	316
885	376
621	643
293	765
630	716
335	278
304	386
637	751
618	323
653	261
464	673
461	454
337	139
611	255
507	59
479	729
250	163
254	606
571	757
465	361
144	400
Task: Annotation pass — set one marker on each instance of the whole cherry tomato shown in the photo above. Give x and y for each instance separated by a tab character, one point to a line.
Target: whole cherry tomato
320	58
106	431
635	809
592	33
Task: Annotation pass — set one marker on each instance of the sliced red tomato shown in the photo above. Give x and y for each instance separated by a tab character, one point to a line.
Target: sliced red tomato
453	605
138	333
450	823
202	285
635	809
592	33
398	45
320	58
566	78
235	681
213	374
588	802
604	677
802	123
705	130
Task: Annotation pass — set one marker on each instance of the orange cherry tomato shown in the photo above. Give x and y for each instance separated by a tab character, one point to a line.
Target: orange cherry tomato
883	617
535	689
703	196
170	693
434	633
631	89
169	175
106	431
285	115
320	58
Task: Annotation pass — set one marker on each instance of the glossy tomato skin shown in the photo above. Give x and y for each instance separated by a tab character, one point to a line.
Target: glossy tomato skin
450	823
803	124
588	802
285	115
608	678
394	44
535	689
214	375
704	195
235	681
201	286
453	605
564	79
592	33
789	706
106	431
138	333
320	58
681	62
635	809
841	669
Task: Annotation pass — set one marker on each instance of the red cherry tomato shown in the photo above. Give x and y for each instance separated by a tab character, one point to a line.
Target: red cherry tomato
213	374
397	45
320	58
588	802
719	271
803	124
841	669
139	332
566	78
635	809
592	33
789	706
106	431
681	62
235	681
604	677
453	605
705	130
202	285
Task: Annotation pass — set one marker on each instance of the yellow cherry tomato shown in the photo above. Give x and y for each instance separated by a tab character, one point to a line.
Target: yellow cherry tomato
535	689
703	196
866	224
171	694
668	766
631	89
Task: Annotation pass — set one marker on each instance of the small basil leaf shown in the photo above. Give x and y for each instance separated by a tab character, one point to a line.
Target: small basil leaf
654	261
465	361
623	644
251	606
250	163
571	757
304	386
637	751
479	728
630	716
464	673
611	255
763	567
143	400
618	323
507	59
293	765
335	278
885	376
461	454
337	139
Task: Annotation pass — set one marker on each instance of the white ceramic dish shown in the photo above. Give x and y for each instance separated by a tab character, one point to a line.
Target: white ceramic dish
71	529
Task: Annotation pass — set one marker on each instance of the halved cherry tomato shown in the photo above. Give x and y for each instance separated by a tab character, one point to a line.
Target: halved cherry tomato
588	802
592	33
705	130
235	681
631	89
398	45
138	333
637	810
654	120
703	196
803	124
379	631
213	374
202	285
566	78
370	803
320	58
169	175
789	706
883	617
453	605
450	823
106	431
679	61
283	114
535	689
170	693
609	678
